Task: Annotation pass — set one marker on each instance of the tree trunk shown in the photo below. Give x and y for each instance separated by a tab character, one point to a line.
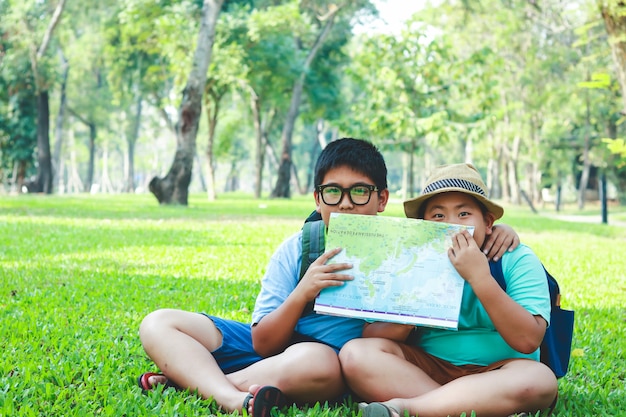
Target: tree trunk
212	123
584	178
19	175
131	141
105	181
232	180
196	158
92	156
296	180
174	187
259	149
281	189
58	143
533	173
512	171
43	183
74	184
261	129
317	145
410	184
493	169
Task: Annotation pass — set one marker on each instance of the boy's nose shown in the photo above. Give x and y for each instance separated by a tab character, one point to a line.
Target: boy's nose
345	201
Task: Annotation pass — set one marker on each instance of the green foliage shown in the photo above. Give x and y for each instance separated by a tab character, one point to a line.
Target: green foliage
78	274
18	104
18	111
617	147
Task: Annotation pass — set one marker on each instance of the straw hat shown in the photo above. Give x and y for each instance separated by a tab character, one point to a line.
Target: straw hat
464	178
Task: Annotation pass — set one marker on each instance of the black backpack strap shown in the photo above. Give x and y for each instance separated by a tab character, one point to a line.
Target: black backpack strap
496	272
313	245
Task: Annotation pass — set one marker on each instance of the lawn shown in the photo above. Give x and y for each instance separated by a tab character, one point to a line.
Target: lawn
78	274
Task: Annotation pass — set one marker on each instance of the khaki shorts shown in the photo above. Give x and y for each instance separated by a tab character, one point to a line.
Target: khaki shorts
443	371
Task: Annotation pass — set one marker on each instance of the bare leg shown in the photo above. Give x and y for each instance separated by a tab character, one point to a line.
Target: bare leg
519	386
305	372
376	370
180	343
522	385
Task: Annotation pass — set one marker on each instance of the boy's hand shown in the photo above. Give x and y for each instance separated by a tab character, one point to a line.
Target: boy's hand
320	275
467	257
503	238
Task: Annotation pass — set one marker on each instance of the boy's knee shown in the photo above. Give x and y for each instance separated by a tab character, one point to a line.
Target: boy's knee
350	353
540	387
153	323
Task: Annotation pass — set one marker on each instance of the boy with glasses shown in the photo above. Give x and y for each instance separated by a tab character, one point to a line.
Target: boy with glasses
285	352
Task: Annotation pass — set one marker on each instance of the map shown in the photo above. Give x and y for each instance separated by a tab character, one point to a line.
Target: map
401	271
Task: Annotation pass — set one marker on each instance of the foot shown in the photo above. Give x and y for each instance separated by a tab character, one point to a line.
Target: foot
262	399
150	380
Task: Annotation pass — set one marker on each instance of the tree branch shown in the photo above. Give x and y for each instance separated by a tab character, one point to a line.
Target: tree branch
56	17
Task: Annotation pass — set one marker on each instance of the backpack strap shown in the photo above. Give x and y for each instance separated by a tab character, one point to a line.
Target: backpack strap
496	272
556	346
553	286
313	245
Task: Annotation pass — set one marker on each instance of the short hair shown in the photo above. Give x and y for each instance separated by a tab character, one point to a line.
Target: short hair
357	154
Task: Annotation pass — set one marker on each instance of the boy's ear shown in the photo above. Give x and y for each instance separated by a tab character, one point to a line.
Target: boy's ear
383	200
317	201
490	219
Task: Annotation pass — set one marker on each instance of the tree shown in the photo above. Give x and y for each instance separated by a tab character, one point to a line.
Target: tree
24	27
146	51
43	183
18	118
281	189
614	15
174	187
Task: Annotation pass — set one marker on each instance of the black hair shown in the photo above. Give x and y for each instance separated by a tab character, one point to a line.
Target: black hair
357	154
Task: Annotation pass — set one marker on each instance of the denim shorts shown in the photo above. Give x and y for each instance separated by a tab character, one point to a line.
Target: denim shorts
236	351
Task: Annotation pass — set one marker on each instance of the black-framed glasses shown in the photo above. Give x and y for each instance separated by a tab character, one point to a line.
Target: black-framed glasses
360	194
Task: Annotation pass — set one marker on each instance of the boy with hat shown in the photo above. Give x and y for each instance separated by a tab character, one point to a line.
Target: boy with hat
491	364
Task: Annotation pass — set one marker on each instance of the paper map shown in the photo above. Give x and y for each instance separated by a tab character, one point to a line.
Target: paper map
401	271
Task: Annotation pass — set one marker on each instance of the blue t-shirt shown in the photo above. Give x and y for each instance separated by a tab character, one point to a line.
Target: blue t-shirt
281	277
477	341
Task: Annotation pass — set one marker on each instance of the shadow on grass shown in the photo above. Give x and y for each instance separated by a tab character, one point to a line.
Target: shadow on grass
132	206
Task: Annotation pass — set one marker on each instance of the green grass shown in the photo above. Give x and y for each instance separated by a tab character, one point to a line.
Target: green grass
79	273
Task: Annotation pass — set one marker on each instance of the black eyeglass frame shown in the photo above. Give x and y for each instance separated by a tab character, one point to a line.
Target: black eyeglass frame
371	188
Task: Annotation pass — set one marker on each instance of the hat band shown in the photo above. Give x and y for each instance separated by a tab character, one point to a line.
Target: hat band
454	183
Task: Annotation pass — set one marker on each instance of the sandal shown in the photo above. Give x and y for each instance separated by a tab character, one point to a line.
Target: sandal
377	410
144	383
265	399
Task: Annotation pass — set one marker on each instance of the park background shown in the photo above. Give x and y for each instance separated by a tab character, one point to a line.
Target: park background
99	99
241	95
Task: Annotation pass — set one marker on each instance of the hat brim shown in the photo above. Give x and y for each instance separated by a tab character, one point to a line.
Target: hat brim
412	207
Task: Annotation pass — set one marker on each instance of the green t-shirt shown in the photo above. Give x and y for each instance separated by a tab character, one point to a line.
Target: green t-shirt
476	341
